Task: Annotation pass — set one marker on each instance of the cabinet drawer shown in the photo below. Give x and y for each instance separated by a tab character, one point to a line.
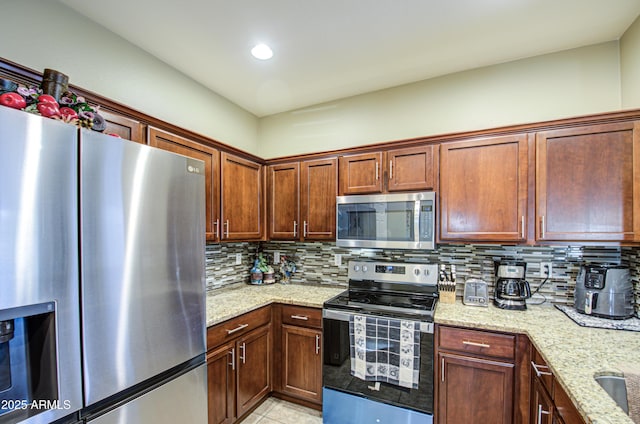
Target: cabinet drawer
540	369
238	326
477	342
302	316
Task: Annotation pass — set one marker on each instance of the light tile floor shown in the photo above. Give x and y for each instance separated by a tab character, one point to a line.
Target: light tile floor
277	411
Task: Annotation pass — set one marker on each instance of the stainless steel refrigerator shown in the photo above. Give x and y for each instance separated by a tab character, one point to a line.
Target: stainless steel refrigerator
142	283
102	270
40	376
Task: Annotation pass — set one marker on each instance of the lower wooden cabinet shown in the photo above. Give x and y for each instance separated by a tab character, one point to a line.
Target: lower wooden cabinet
550	404
221	383
240	369
474	390
299	370
253	363
541	404
481	376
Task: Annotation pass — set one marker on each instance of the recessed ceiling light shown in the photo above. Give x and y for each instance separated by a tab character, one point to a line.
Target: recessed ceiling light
262	52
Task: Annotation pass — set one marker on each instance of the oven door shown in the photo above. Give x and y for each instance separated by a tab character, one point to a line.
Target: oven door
336	370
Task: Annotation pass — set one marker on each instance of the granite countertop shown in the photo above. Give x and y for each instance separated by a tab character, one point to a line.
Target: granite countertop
223	304
575	354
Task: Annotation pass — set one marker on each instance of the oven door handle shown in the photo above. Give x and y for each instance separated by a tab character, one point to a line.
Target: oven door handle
425	327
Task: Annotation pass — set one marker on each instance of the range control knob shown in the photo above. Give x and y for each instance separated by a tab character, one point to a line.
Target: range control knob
356	268
364	268
426	271
416	272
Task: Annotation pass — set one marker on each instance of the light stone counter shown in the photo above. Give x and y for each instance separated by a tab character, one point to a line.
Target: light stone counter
575	354
224	304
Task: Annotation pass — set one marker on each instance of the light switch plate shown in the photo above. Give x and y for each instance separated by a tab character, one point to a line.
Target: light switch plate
238	258
337	259
276	257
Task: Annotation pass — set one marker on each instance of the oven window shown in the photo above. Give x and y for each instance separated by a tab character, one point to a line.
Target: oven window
383	221
336	371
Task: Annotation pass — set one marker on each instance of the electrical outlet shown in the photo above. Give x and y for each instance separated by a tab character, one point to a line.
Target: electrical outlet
546	269
238	258
337	259
276	257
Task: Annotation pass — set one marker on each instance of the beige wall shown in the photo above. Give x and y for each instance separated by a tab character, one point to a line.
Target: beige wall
574	82
630	66
45	34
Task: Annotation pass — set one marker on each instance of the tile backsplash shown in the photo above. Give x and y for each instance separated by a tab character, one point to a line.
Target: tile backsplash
316	263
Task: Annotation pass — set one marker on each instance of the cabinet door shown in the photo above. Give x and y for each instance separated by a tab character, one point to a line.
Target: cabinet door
284	202
221	384
127	128
253	367
483	189
242	199
474	390
302	362
318	199
588	183
541	404
211	159
411	169
360	174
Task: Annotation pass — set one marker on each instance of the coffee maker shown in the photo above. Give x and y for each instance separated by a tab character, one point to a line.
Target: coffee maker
511	289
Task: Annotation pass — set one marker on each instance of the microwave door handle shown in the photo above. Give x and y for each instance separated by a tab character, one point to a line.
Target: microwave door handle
416	222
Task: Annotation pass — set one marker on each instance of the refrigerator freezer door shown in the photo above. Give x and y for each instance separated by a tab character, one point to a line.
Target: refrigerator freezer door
142	262
183	400
38	263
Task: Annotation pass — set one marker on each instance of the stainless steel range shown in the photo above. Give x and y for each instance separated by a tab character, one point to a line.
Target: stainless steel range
378	345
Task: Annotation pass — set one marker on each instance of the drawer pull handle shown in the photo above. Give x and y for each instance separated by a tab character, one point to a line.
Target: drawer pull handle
317	344
300	317
238	328
466	342
537	370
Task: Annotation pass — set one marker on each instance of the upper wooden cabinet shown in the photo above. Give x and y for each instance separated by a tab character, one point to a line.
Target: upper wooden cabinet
127	128
361	174
302	200
483	189
588	183
406	169
211	159
284	201
318	191
242	200
411	169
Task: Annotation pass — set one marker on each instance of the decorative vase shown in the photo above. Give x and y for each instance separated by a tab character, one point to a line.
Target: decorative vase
54	83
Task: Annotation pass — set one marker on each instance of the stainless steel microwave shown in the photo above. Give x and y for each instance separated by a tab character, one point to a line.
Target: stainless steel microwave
396	221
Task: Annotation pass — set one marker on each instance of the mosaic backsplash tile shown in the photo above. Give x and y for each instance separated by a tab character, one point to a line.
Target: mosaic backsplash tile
316	263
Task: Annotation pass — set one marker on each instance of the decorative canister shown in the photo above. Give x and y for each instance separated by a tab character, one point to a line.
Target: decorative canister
268	278
256	274
54	83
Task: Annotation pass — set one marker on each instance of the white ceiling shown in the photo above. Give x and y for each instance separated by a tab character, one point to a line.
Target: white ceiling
330	49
